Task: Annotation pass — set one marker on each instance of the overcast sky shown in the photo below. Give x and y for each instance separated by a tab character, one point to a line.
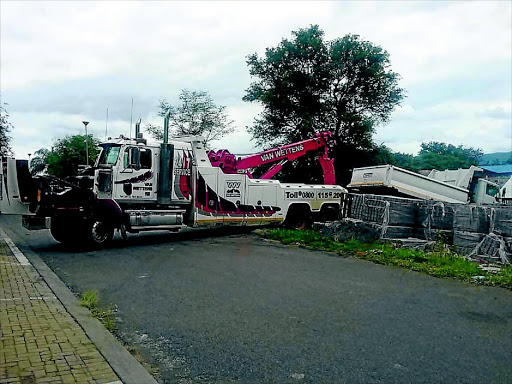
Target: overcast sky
65	62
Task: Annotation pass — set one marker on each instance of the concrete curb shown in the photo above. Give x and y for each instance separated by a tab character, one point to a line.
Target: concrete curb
128	369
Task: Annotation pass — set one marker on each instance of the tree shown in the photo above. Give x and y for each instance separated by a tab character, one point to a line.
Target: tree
39	161
405	160
65	156
307	85
437	155
5	129
197	115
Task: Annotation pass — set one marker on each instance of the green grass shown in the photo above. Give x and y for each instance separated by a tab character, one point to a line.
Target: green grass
90	300
440	262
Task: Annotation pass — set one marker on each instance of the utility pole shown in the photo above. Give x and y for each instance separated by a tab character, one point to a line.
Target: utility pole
106	126
86	144
131	119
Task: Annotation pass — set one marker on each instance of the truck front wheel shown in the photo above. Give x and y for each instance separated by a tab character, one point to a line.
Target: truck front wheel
62	230
99	232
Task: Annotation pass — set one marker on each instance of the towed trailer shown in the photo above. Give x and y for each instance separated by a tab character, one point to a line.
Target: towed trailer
452	186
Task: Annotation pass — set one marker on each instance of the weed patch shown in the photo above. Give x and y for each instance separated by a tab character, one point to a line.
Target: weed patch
136	352
440	262
90	300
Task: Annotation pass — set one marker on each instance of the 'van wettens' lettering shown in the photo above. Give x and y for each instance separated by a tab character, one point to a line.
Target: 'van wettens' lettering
278	153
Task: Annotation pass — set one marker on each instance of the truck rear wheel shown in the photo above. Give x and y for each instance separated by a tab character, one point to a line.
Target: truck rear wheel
298	216
329	213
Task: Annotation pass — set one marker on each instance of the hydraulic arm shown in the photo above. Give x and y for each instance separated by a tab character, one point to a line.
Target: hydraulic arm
230	164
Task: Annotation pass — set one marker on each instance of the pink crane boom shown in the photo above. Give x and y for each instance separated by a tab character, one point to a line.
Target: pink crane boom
230	164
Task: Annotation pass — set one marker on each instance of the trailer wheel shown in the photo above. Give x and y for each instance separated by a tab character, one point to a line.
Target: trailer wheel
99	233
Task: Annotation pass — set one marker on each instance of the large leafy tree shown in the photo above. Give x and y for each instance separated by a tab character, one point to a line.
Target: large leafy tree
307	85
405	160
5	129
447	156
196	115
437	155
65	156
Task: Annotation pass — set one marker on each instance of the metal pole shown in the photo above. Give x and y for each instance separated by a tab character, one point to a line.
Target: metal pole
131	119
166	126
106	126
86	144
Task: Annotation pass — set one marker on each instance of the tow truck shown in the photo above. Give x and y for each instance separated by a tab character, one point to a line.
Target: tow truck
134	186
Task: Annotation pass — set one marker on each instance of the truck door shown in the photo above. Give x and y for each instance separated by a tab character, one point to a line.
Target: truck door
135	179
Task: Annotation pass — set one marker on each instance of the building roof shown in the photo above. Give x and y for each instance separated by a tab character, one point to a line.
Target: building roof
499	169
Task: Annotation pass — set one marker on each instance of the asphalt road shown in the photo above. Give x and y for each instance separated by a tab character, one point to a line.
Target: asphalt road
229	307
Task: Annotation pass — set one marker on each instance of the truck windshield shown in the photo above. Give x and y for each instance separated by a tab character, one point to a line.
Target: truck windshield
492	190
109	155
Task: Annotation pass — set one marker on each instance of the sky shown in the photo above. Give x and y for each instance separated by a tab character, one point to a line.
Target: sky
65	62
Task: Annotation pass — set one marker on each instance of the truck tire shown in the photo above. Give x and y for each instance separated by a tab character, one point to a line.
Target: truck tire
99	233
329	213
62	230
298	217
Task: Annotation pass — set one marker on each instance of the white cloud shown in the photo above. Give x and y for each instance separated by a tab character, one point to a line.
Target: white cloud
63	62
478	124
454	39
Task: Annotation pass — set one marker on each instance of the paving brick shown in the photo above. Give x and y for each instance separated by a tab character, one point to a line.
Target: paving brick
39	341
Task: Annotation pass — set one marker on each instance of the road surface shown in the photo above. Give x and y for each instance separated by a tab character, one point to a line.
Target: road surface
230	307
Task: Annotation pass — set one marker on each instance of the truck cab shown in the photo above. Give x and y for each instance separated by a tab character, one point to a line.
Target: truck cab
485	192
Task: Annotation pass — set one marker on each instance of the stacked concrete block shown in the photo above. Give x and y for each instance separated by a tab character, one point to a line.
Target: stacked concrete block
466	242
500	224
371	208
472	218
435	220
471	225
482	232
491	249
437	214
393	217
500	221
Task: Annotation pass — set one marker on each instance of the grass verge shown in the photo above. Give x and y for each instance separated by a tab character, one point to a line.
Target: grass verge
90	300
440	262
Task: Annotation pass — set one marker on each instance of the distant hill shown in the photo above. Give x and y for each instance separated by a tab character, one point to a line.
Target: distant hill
496	158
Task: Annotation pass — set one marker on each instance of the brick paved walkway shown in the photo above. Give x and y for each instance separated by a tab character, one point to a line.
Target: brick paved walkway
39	340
